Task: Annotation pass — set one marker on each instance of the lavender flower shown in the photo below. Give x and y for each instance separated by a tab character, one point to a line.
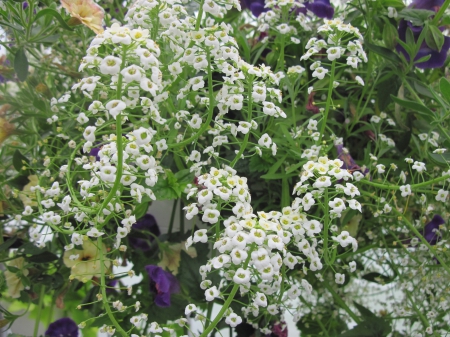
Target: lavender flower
163	284
145	224
63	327
437	58
349	162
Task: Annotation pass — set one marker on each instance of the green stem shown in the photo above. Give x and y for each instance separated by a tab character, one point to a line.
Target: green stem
227	303
172	217
327	106
249	118
326	230
40	307
341	303
421	238
396	187
210	110
440	12
116	324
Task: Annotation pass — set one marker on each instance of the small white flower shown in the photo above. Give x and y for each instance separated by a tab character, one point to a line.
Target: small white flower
94	233
211	293
190	308
419	166
441	195
359	80
352	266
233	320
200	236
339	278
406	190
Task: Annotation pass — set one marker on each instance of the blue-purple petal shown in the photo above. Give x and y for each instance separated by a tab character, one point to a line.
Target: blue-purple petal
162	284
321	8
430	229
63	327
427	4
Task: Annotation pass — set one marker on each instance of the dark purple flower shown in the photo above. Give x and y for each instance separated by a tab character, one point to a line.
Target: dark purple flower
63	327
145	224
25	5
437	58
321	8
349	162
162	284
429	232
255	6
427	4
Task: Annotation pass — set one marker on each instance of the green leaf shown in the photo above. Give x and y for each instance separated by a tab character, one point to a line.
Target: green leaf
11	25
141	210
378	278
382	51
19	160
444	86
416	16
55	14
423	59
442	159
188	271
48	39
8	243
365	313
272	176
44	257
21	64
390	35
416	107
434	37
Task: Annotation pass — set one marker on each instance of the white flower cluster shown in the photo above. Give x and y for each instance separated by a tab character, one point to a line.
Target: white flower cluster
259	248
337	45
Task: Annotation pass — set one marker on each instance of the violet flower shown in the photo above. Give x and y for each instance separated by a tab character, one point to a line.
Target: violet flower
437	58
320	8
25	5
429	232
255	6
162	284
349	162
145	224
63	327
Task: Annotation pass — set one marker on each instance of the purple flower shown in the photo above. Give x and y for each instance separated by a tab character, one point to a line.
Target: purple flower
63	327
437	58
163	284
145	224
429	232
321	8
255	6
349	162
25	5
427	4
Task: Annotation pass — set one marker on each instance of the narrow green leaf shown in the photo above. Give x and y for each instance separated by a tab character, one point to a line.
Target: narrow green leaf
434	37
390	35
55	14
386	53
444	86
11	25
416	16
44	257
8	243
416	107
21	64
19	160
